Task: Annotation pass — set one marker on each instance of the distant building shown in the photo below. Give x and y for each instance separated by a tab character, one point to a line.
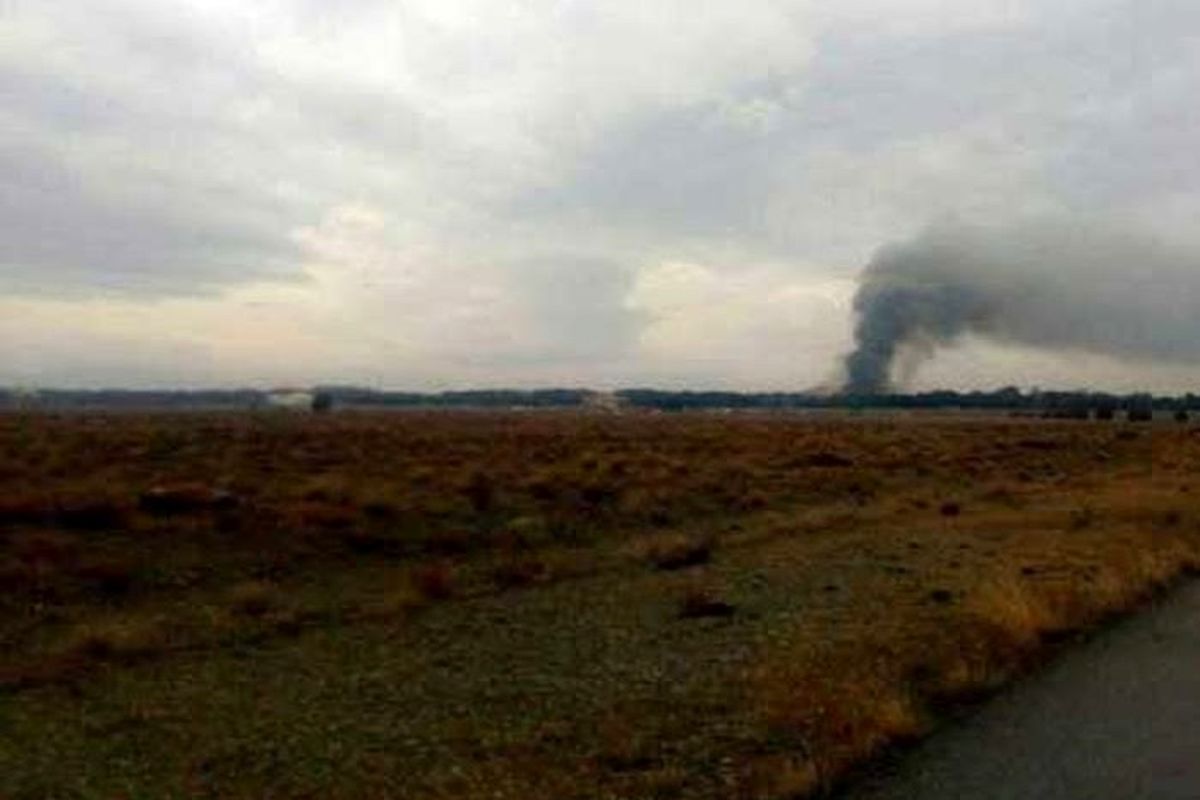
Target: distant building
609	402
295	399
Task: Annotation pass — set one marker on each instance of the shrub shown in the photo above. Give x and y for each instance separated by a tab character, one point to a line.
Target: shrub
396	604
45	548
434	581
542	489
254	598
700	601
1081	518
525	533
368	542
109	576
1138	414
115	640
184	498
326	516
517	572
380	509
751	501
448	541
26	510
681	552
1170	518
597	494
825	460
85	513
941	596
14	576
322	403
480	493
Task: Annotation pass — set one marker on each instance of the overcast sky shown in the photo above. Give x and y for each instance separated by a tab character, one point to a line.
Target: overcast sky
435	193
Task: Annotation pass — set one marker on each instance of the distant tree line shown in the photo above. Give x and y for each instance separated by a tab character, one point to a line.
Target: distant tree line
326	397
1052	403
474	398
1058	403
131	399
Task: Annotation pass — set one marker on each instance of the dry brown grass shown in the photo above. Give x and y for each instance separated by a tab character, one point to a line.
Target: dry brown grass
835	718
903	566
843	703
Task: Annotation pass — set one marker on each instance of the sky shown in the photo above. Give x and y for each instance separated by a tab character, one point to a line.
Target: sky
427	194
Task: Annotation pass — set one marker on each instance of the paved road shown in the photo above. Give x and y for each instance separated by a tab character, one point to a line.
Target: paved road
1117	718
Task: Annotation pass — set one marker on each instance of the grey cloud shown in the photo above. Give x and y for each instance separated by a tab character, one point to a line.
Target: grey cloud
1099	92
60	237
702	170
577	305
1076	94
147	150
180	167
224	132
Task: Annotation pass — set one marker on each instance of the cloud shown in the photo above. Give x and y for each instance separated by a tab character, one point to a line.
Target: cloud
148	154
437	189
375	303
764	328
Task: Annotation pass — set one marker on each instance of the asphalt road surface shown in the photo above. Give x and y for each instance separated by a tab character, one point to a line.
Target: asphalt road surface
1117	718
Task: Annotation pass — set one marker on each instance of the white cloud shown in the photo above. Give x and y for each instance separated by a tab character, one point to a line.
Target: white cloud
925	18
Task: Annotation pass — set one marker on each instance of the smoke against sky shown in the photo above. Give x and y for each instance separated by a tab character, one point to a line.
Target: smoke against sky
1052	284
470	192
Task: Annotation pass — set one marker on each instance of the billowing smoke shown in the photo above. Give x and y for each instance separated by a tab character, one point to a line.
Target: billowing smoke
1062	285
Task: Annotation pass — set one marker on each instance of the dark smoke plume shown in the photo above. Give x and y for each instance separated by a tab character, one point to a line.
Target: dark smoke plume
1049	284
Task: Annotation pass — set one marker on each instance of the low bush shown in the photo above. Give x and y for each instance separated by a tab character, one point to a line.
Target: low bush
704	601
110	577
254	598
115	640
435	581
515	572
681	552
92	513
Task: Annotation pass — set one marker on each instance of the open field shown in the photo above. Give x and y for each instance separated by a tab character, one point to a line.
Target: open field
548	605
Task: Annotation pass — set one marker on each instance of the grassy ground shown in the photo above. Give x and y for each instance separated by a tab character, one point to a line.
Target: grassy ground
543	605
